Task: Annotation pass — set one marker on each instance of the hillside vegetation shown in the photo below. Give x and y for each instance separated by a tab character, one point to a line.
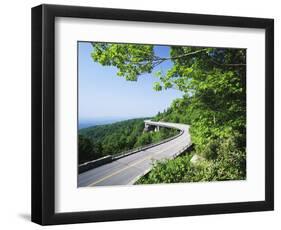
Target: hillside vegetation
102	140
213	81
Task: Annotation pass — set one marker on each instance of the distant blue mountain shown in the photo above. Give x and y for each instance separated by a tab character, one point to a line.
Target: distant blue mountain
99	121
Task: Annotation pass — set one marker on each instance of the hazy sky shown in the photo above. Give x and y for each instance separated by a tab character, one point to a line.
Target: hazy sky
102	94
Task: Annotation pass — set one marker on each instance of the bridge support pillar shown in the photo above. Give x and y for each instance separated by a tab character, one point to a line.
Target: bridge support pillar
148	128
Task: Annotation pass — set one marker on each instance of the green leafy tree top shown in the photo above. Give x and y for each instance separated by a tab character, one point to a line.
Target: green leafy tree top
191	65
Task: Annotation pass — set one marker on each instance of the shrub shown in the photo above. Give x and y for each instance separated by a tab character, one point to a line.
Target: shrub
226	161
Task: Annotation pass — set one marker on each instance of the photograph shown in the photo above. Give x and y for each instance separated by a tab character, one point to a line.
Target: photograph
160	114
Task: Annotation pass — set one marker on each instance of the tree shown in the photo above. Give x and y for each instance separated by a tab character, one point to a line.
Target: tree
214	103
214	80
85	149
144	139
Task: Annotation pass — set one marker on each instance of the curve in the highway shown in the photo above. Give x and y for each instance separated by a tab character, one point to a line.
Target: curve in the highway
129	169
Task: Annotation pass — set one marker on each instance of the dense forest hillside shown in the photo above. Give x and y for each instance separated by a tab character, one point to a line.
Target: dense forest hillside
102	140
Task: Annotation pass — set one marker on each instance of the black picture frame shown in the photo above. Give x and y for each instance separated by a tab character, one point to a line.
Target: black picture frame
43	114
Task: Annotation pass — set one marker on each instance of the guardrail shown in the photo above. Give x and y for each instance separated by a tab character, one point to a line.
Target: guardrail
109	158
132	151
182	150
94	163
188	147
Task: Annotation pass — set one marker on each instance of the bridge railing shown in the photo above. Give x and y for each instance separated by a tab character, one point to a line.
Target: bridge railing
188	147
161	124
141	148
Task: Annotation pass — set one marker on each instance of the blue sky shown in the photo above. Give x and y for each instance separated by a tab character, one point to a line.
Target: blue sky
102	94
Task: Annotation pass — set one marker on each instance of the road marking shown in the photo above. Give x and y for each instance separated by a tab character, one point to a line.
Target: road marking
129	166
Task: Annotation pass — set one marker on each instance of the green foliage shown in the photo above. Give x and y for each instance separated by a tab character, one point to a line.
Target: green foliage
102	140
88	149
131	60
157	86
230	164
214	103
168	171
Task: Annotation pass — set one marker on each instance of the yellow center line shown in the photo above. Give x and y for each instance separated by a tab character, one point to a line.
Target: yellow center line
129	166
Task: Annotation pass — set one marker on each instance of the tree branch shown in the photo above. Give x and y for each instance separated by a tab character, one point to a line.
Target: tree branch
181	56
228	64
159	60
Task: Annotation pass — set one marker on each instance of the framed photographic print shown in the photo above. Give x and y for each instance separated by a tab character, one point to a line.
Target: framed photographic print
142	114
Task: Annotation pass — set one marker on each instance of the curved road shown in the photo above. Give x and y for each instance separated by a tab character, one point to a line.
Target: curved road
129	169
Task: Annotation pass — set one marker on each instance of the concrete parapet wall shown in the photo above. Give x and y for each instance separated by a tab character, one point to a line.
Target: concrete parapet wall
124	154
95	163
